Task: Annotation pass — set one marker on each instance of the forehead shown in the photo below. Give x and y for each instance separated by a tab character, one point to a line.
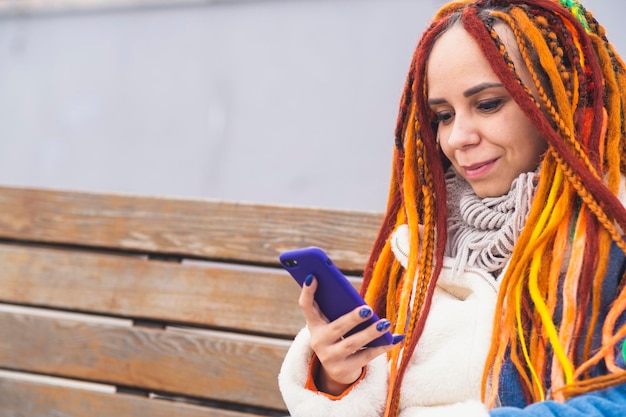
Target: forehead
456	61
454	40
456	57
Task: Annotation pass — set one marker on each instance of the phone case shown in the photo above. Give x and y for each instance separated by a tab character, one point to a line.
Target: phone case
334	295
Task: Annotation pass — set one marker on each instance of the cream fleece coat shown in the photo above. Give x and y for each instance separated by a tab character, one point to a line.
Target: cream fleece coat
446	369
445	373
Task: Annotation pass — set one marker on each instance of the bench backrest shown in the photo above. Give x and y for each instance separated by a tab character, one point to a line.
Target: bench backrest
117	305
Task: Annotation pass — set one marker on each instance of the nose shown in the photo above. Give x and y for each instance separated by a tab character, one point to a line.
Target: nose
463	132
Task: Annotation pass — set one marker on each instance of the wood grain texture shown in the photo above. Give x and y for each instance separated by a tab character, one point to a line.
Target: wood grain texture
227	231
256	300
162	263
31	399
212	365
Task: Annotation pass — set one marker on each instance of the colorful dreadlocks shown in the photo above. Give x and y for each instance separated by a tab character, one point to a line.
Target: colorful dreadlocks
548	302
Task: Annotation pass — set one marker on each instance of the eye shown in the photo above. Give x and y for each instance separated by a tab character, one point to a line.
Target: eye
491	105
443	118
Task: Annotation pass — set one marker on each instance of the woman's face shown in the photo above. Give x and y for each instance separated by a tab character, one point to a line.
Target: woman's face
481	129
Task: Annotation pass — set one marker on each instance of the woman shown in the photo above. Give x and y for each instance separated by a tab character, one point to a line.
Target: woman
501	256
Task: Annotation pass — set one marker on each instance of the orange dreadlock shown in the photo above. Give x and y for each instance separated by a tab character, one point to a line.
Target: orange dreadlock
547	302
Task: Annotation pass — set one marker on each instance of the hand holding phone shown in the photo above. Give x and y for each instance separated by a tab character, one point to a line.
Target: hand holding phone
335	295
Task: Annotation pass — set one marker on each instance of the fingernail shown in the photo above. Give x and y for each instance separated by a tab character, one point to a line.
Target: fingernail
383	325
365	312
308	280
397	339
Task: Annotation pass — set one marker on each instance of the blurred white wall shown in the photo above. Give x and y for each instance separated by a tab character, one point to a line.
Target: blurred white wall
289	102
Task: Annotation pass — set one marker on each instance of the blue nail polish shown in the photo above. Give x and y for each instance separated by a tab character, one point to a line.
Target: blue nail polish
397	339
308	280
365	312
383	325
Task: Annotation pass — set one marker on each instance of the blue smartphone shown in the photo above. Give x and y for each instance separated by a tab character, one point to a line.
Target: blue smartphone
335	296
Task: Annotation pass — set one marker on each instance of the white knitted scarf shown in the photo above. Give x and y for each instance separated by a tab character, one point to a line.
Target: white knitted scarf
483	231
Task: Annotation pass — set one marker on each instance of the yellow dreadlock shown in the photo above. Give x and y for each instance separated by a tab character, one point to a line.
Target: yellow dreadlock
547	302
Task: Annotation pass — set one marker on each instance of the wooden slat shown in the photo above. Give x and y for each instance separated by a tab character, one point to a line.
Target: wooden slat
197	228
258	300
32	399
211	365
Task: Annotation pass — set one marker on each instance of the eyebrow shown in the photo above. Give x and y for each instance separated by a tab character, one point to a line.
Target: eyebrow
467	93
480	87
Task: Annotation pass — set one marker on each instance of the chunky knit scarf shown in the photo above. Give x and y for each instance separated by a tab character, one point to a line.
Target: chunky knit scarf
483	231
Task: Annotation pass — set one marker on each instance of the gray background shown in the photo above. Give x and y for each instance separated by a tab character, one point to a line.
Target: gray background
287	102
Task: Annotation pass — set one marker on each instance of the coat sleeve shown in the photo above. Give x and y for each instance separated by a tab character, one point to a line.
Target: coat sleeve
366	399
605	403
610	402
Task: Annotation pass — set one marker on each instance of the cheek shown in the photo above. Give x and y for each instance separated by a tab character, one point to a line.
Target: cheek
522	134
540	148
534	149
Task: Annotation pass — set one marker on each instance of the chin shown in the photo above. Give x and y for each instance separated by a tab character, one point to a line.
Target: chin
484	191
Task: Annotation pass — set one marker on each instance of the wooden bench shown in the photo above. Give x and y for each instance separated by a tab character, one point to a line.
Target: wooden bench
117	305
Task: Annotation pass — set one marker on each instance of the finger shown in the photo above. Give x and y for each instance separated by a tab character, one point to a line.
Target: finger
363	356
308	305
360	339
345	369
335	331
339	327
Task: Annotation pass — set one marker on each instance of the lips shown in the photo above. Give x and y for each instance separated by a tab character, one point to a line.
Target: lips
479	169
